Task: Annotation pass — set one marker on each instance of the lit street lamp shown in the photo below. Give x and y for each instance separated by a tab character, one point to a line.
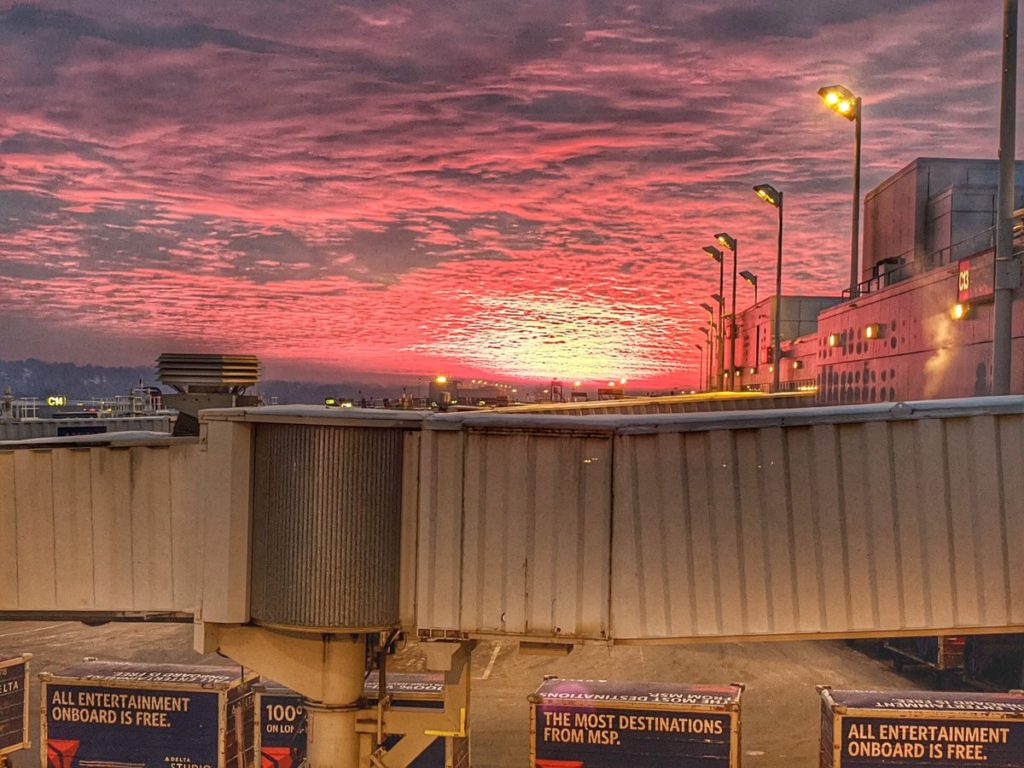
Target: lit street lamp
772	196
718	256
844	102
701	368
751	278
726	241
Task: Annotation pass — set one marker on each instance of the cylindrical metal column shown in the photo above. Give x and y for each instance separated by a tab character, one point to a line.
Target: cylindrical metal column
721	324
331	737
735	380
776	332
327	509
855	236
1002	322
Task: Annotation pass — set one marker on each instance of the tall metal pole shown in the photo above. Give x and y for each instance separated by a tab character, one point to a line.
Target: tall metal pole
707	369
712	336
700	370
1002	322
709	381
855	235
732	340
776	330
721	325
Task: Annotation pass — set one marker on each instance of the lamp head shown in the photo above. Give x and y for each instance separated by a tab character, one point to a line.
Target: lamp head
713	252
769	194
749	276
841	100
726	241
718	297
707	307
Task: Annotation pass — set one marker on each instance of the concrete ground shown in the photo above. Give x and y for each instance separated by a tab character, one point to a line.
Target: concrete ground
780	705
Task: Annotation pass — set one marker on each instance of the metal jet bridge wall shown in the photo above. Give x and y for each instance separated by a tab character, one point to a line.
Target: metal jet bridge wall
100	525
858	520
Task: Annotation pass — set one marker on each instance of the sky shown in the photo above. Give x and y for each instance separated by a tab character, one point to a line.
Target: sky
510	190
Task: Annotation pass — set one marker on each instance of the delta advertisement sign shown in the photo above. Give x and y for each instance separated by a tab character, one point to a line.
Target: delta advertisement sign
13	706
142	728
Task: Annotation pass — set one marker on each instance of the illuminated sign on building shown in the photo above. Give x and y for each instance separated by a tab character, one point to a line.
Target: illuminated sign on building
57	401
974	281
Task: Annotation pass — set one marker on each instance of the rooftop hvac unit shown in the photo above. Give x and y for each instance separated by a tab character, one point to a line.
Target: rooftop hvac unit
206	381
217	374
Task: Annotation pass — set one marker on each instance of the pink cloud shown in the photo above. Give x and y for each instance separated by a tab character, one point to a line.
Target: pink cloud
413	186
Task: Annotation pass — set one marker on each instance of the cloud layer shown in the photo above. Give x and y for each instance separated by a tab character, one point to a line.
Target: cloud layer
481	188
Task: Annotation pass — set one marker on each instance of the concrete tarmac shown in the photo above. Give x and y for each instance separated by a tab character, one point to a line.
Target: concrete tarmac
780	706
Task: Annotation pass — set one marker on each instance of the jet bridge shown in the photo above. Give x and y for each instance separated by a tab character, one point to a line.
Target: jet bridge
301	538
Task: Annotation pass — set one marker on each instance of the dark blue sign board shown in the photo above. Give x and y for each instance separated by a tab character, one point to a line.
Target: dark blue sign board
604	724
14	704
924	729
147	717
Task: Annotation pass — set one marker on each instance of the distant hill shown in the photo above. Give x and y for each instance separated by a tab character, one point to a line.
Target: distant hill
38	378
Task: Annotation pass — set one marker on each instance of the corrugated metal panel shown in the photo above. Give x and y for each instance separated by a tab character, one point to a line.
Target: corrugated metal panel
410	521
326	526
73	527
874	527
91	529
536	532
514	534
439	558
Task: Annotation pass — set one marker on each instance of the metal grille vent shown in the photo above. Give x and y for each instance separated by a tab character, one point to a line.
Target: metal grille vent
326	526
208	373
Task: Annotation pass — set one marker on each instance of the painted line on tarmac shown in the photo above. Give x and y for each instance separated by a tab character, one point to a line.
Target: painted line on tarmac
29	631
490	664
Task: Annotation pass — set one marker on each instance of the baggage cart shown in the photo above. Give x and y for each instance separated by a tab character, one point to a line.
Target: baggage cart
14	704
147	716
605	724
927	729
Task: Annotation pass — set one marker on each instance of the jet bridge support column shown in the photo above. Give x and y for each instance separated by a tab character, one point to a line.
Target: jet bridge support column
303	542
329	671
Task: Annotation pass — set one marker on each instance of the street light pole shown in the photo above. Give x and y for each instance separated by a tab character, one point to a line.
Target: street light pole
700	374
710	333
718	256
845	103
855	234
1002	314
730	242
720	299
772	196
